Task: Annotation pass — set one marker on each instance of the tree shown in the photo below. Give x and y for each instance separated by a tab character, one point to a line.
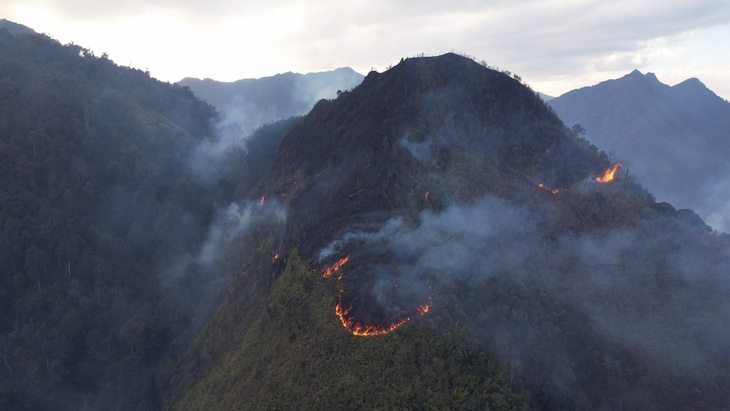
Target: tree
36	262
578	130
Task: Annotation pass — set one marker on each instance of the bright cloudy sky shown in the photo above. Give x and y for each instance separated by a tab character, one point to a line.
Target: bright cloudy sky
555	45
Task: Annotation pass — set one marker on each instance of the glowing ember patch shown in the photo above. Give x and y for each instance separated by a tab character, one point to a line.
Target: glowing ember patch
334	267
366	330
552	190
423	309
425	196
609	174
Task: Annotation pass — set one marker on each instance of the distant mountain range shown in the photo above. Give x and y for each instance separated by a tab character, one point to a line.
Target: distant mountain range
675	139
253	102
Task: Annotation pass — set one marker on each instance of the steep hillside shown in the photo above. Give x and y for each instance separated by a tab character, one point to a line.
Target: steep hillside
675	139
254	102
113	241
448	243
15	28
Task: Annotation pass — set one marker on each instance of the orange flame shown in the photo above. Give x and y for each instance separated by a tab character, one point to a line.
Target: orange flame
366	330
423	309
261	202
425	196
276	257
369	330
609	174
334	267
552	190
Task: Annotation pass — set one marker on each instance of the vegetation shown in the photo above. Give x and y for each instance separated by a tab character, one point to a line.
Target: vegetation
579	298
125	283
97	200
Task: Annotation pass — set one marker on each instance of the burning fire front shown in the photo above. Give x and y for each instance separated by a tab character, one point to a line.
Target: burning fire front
367	328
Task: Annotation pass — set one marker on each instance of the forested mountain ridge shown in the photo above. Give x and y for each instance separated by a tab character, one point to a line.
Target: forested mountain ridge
675	138
105	223
448	244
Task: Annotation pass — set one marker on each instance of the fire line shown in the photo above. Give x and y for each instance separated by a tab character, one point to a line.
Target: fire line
364	329
334	267
609	174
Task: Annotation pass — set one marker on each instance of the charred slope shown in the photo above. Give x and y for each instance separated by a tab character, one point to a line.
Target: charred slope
462	282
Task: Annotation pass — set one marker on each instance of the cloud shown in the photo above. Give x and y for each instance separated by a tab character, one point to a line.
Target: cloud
553	45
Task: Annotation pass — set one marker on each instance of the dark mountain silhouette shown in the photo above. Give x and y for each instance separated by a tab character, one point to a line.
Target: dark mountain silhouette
253	102
675	138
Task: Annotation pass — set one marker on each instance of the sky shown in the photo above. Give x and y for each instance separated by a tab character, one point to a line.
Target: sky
554	45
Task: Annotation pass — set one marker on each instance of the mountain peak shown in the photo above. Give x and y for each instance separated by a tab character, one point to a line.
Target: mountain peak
639	76
649	125
14	28
695	91
423	115
691	83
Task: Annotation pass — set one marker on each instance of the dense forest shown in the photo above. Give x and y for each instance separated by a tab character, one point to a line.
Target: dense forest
154	257
105	218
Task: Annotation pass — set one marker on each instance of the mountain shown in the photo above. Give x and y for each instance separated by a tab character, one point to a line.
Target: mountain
675	139
448	244
253	102
545	97
117	204
14	28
